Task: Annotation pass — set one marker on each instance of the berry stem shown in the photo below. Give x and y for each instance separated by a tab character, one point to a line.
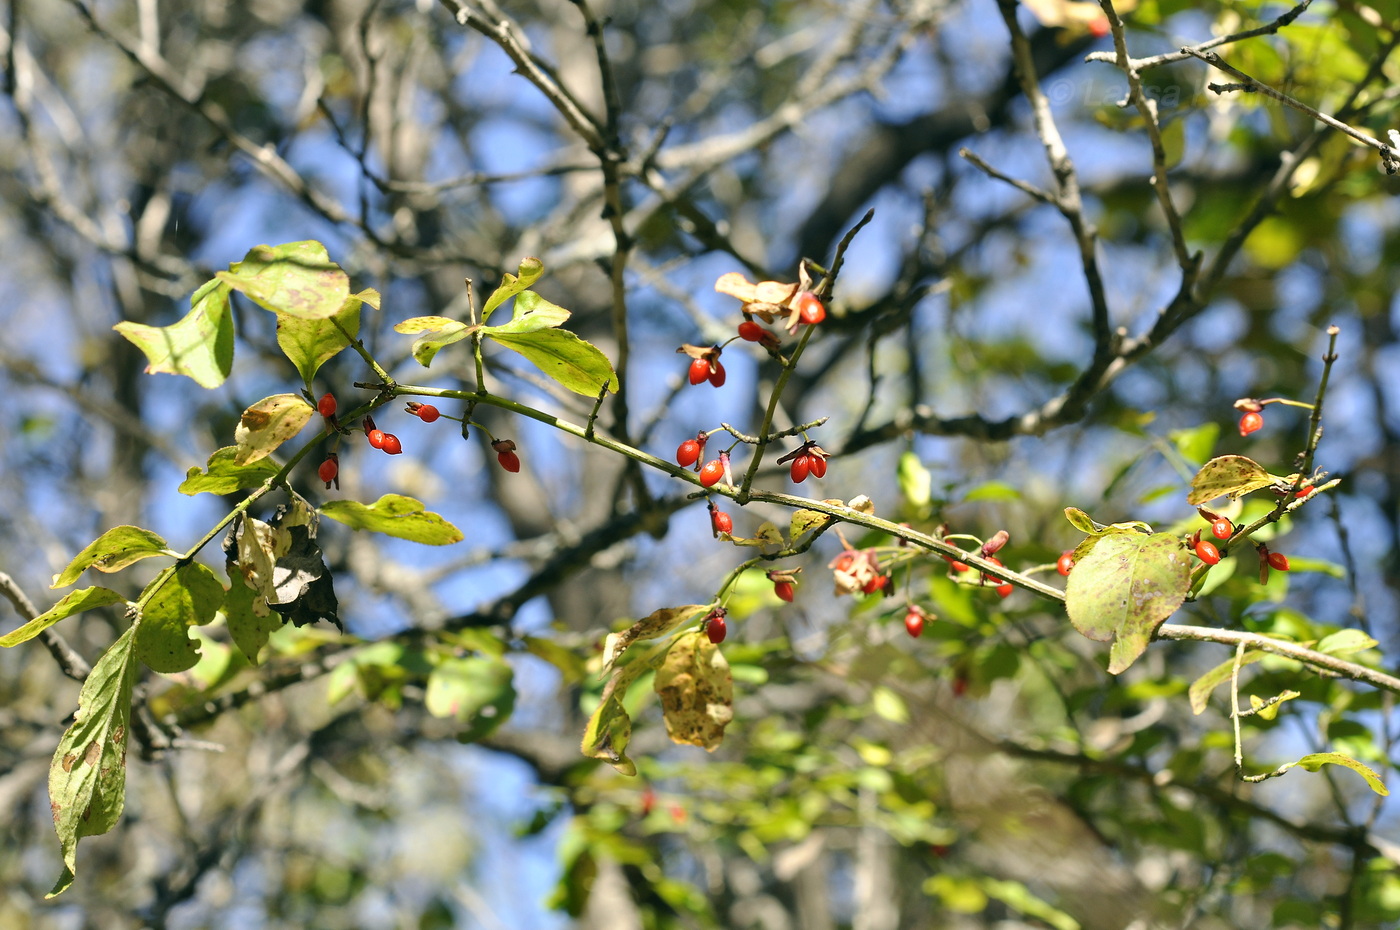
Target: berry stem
770	411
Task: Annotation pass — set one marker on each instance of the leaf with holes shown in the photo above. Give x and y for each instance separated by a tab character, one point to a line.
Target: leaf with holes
1125	588
187	599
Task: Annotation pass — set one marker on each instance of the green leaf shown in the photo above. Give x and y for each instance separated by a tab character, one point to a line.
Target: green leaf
297	279
310	343
199	346
657	623
696	691
478	691
915	482
1317	760
530	270
889	705
1195	445
992	491
395	515
577	365
87	779
250	620
1267	711
75	602
223	474
569	663
1346	642
532	313
112	551
609	728
1228	474
267	424
1125	588
189	598
438	331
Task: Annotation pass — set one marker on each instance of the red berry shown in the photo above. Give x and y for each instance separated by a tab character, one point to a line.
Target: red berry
1065	563
688	453
875	584
1251	422
818	466
810	309
1098	27
957	566
800	467
1005	590
699	370
376	438
1304	492
914	623
1279	561
329	469
721	522
509	461
784	590
425	412
326	405
960	683
992	579
749	331
711	472
391	444
717	376
1206	552
716	629
1222	528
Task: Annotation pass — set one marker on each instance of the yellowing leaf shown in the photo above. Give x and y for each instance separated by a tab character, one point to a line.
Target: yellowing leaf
267	424
309	343
395	515
696	691
112	551
530	271
1126	587
1228	474
657	623
223	474
297	279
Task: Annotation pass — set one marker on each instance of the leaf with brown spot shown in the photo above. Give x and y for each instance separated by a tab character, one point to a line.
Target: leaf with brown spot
696	691
87	798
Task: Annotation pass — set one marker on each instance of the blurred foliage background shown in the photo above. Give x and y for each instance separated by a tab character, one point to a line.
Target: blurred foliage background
987	774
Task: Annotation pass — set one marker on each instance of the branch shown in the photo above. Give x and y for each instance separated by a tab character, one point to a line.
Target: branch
72	664
1389	158
1143	64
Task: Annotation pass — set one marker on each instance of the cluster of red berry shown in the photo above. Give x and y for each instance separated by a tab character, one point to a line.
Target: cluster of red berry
1222	529
390	444
810	459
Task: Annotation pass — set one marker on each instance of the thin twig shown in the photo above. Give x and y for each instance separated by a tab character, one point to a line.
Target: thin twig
1388	155
1144	64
